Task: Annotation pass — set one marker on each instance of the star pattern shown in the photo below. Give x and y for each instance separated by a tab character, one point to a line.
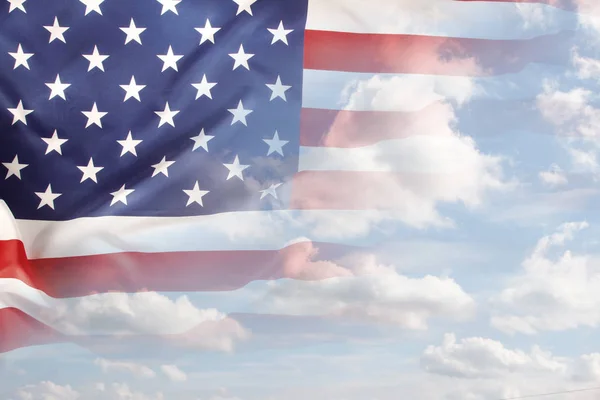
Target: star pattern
104	154
96	59
280	34
169	60
201	141
195	195
94	116
203	87
236	169
241	58
14	168
208	32
278	89
20	113
54	143
57	88
21	58
57	32
90	171
239	114
132	90
132	32
47	197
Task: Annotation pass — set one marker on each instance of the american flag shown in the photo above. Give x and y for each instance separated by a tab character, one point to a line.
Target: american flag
193	145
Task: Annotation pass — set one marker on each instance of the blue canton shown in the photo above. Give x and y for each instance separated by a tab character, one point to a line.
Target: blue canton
148	107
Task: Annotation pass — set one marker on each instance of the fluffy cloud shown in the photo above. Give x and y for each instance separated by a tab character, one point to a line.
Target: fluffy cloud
374	293
47	390
122	391
173	373
551	293
478	357
124	366
555	176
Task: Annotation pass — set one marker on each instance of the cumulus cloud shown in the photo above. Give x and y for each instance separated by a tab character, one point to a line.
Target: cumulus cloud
125	366
122	391
47	390
555	176
478	357
375	293
173	373
551	293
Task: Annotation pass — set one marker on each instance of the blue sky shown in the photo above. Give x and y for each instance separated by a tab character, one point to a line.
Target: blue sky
508	256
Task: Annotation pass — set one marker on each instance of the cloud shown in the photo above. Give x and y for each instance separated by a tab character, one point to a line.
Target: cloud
136	369
375	293
555	176
587	368
551	293
478	357
122	391
47	390
173	373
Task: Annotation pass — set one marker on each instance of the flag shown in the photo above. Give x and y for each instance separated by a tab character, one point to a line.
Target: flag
179	145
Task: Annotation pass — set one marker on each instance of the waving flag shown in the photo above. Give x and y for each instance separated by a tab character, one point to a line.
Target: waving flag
180	145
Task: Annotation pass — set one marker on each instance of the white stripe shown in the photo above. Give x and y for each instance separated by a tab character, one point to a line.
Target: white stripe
416	154
97	314
8	228
334	90
252	230
482	20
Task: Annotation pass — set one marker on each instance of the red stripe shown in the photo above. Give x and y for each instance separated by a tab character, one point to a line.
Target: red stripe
18	329
333	128
356	190
357	52
565	4
176	271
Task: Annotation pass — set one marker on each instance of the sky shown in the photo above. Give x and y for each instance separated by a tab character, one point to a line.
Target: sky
483	286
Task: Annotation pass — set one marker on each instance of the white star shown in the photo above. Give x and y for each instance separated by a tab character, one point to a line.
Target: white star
195	195
236	169
244	5
94	116
47	198
14	168
21	57
14	4
166	116
121	195
92	5
162	167
278	89
57	88
129	145
239	114
89	171
57	31
208	32
169	5
132	90
96	59
19	113
203	88
54	143
271	190
201	141
275	145
280	33
241	58
132	32
169	60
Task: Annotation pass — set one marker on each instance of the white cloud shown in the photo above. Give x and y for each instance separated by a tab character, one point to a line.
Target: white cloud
555	176
122	391
587	368
551	293
174	373
124	366
478	357
47	390
375	293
